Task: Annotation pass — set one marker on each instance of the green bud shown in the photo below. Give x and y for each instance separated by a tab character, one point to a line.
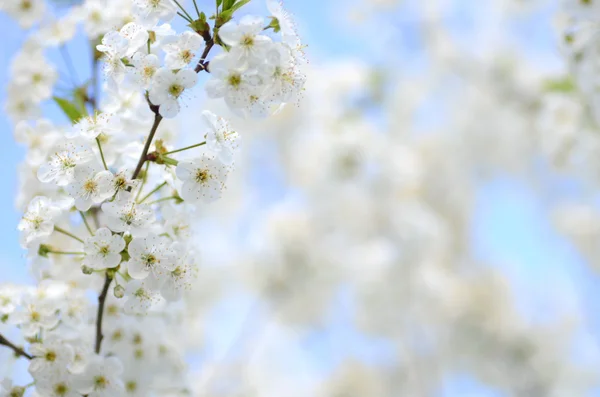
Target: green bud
152	36
44	250
87	269
17	391
274	25
119	291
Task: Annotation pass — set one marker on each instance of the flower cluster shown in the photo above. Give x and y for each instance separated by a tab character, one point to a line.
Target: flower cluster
106	201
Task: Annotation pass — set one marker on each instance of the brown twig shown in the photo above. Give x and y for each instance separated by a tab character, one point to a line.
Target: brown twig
202	64
18	351
157	119
101	302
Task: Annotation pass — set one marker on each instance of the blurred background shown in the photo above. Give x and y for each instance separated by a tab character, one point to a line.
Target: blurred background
424	222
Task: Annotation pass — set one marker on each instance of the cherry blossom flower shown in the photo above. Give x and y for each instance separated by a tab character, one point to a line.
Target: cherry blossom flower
91	126
220	139
90	186
203	179
61	167
125	215
248	45
101	378
181	52
103	250
151	254
37	223
167	88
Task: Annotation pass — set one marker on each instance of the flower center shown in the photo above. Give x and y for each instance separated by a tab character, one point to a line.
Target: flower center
90	186
131	386
61	389
148	71
104	250
149	260
119	182
50	356
186	56
234	80
248	41
112	310
65	161
100	382
26	5
202	176
35	316
141	293
96	16
178	272
137	339
128	217
176	90
117	335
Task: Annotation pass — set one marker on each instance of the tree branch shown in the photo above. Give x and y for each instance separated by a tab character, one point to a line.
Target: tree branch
202	64
157	119
18	351
100	315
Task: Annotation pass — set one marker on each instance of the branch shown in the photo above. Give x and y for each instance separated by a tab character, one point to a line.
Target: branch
202	64
157	119
100	315
18	351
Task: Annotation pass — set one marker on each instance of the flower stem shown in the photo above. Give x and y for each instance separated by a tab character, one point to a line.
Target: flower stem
101	153
164	199
18	351
185	148
87	226
196	7
184	17
63	231
100	314
144	179
169	160
184	11
157	119
156	189
66	252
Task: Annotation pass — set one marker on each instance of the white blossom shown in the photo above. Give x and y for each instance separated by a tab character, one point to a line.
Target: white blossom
90	186
37	223
101	378
103	250
50	358
181	52
91	126
203	179
248	45
125	215
220	138
61	166
150	254
167	88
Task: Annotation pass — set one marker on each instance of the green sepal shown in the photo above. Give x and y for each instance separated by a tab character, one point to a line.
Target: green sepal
70	109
